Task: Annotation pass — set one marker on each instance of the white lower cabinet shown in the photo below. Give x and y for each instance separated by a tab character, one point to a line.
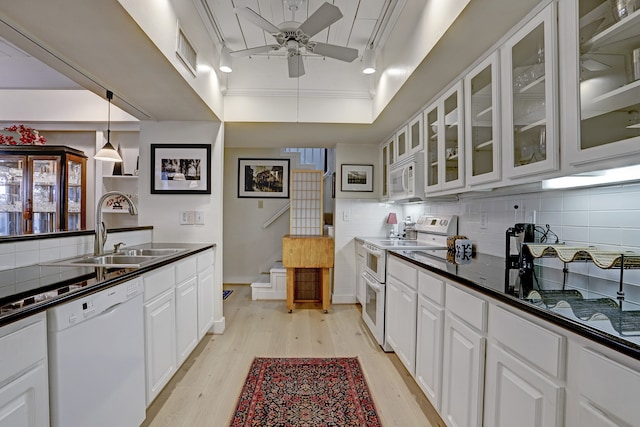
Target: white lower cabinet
186	318
520	395
178	312
402	306
463	374
24	386
186	307
160	342
525	372
430	336
205	263
605	388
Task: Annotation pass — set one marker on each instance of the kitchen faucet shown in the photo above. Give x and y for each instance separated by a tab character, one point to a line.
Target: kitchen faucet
101	232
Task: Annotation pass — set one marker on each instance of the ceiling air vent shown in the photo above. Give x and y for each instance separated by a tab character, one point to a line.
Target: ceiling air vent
186	52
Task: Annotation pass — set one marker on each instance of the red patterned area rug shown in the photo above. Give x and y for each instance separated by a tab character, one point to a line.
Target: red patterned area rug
305	392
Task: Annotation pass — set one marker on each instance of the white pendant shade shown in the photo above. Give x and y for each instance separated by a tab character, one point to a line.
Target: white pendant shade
108	154
368	62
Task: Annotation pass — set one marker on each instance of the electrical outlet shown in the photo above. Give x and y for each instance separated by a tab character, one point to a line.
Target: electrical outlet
186	217
260	204
346	215
484	220
198	217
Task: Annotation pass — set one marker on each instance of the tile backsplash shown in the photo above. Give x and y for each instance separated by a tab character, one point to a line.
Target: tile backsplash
17	257
605	217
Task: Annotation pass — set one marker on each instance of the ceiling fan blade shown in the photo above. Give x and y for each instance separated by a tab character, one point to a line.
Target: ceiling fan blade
326	15
296	67
255	50
346	54
252	16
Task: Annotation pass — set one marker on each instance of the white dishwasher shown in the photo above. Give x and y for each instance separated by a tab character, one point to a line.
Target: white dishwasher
96	359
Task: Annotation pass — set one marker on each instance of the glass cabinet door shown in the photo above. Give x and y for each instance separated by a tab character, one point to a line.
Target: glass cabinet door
401	142
482	124
432	125
529	83
415	134
11	195
385	171
444	136
453	150
609	76
75	194
45	190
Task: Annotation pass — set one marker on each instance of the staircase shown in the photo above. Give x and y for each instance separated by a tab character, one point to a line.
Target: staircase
272	285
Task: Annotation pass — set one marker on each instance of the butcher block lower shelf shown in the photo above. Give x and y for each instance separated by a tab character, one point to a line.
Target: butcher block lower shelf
307	252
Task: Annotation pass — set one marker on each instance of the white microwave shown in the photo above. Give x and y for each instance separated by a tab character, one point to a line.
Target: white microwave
406	180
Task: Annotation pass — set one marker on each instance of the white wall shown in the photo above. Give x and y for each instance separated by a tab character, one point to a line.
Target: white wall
250	249
163	211
356	214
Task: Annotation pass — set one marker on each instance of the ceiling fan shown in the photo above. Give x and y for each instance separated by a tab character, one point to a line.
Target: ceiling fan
293	36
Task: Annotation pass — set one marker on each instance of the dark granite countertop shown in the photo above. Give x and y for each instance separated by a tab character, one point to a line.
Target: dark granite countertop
80	281
607	321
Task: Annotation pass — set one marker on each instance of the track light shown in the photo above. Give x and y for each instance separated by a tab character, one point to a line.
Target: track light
368	61
107	153
225	60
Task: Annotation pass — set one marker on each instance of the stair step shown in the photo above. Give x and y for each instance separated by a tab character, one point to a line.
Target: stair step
264	281
277	268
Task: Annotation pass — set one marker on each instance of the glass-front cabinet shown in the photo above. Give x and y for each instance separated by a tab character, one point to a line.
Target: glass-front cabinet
416	133
530	97
402	146
444	149
607	60
482	134
42	189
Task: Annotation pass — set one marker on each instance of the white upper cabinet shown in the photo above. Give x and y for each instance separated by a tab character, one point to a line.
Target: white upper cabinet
444	142
386	151
604	80
529	97
416	134
482	134
402	144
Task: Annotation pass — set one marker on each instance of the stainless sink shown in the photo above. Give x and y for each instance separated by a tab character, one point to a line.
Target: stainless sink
149	252
115	259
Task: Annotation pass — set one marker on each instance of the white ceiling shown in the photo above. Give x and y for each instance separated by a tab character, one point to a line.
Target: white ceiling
96	45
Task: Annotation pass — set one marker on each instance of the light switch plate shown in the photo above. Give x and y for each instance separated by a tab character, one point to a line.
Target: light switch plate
186	217
199	217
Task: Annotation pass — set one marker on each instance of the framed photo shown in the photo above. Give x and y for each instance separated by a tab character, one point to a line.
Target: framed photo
180	169
263	178
357	178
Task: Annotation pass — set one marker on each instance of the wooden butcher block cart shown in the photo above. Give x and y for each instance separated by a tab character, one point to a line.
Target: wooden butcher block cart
302	256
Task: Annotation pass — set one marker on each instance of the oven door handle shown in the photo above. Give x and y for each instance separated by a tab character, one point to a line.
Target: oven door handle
372	283
373	251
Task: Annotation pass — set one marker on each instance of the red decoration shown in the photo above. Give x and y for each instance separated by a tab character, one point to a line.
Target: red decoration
28	136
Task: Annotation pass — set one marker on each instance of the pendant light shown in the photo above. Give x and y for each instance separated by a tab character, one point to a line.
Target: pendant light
108	153
368	61
225	60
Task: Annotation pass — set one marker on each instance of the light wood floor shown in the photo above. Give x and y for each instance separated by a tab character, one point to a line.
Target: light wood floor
205	390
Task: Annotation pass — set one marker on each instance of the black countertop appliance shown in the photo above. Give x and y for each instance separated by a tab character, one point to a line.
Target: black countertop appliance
518	261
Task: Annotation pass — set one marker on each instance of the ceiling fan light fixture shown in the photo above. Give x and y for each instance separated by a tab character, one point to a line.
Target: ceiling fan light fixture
225	60
368	62
108	153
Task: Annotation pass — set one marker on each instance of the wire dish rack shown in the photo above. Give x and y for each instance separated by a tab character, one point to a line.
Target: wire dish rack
624	322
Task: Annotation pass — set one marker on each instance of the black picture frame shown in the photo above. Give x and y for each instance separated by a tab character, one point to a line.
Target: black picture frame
263	178
180	169
357	178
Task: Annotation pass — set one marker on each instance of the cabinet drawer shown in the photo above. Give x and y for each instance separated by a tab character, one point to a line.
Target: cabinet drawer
158	282
539	346
405	272
467	307
205	260
431	286
22	344
186	269
605	383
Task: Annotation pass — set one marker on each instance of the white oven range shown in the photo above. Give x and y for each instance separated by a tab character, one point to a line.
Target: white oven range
432	237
